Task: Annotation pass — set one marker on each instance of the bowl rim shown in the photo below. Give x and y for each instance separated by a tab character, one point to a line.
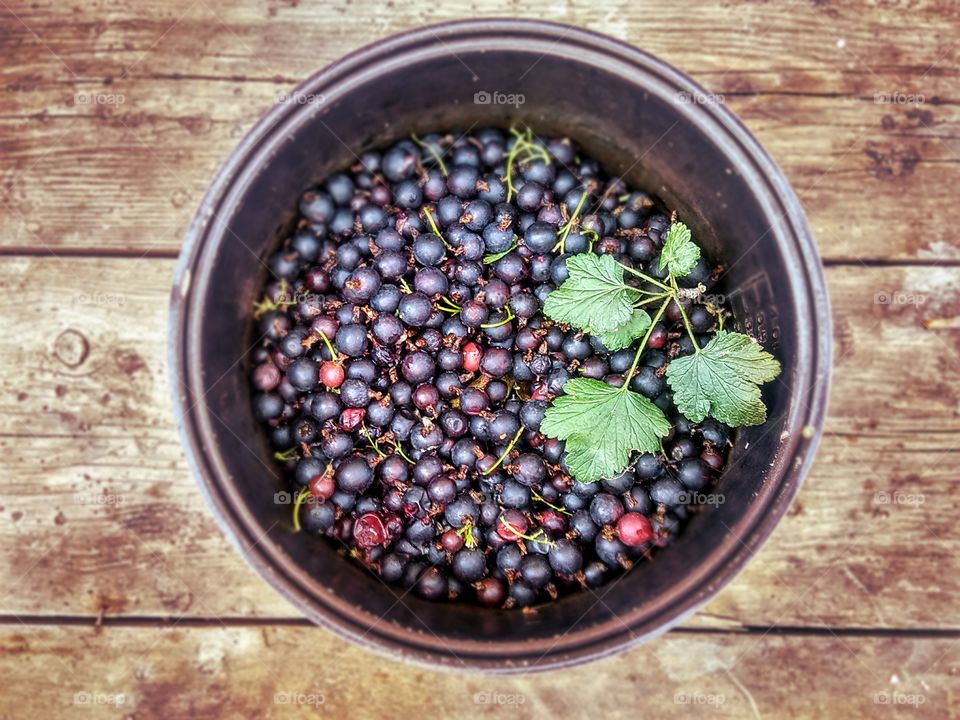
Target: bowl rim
575	646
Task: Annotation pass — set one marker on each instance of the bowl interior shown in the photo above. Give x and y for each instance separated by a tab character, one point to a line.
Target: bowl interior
635	116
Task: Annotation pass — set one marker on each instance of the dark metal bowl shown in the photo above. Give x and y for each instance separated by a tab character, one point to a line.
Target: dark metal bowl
641	118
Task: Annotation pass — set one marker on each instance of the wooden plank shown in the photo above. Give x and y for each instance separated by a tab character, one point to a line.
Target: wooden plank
215	672
99	513
288	40
127	176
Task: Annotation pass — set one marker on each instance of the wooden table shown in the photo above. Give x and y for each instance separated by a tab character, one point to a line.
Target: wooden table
120	597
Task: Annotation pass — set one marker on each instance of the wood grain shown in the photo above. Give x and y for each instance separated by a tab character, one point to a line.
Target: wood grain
120	596
215	672
100	515
125	175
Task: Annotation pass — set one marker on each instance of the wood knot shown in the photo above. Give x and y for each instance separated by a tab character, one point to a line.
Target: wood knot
71	348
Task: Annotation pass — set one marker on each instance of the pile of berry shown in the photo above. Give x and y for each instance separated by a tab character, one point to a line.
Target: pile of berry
405	366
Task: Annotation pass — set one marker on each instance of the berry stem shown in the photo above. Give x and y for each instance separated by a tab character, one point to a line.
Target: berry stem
653	298
290	454
433	151
540	537
565	230
266	305
510	316
326	341
401	453
511	157
643	344
537	496
492	258
434	228
683	314
524	143
452	307
466	532
594	237
373	443
507	451
643	276
298	501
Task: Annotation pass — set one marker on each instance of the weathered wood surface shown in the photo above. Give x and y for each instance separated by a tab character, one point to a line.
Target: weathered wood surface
100	514
113	571
857	101
268	672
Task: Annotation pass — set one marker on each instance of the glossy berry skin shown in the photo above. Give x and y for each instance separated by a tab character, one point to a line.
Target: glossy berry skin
428	249
540	237
415	309
369	531
583	526
633	530
354	475
472	355
317	517
352	340
461	511
535	570
528	469
352	418
418	367
303	374
496	362
473	401
322	486
432	585
355	393
648	466
474	313
605	509
693	474
469	565
511	525
491	592
658	337
566	557
331	374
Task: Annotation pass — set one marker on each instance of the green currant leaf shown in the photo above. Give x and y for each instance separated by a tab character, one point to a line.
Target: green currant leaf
624	335
723	379
602	425
593	296
679	254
